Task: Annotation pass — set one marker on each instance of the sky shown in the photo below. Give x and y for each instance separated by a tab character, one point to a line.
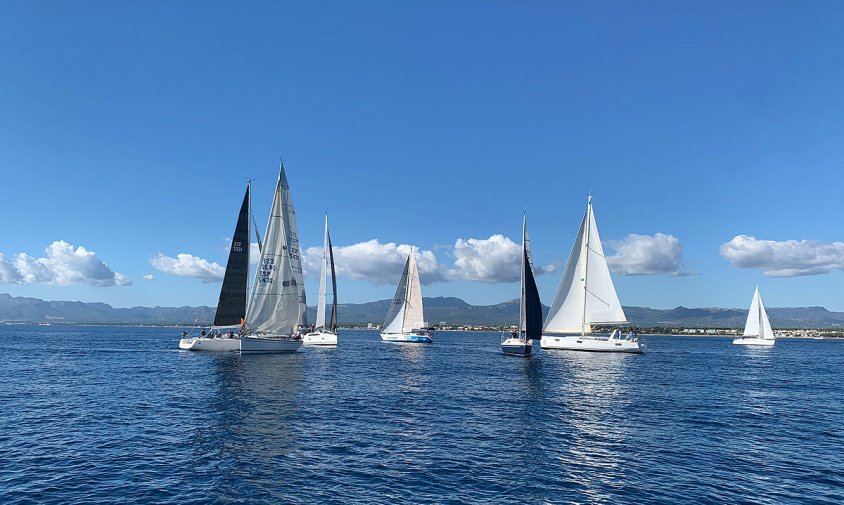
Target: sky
709	134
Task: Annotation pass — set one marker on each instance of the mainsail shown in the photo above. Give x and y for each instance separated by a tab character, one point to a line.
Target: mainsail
292	238
586	295
275	307
333	283
231	307
758	324
530	310
406	312
323	281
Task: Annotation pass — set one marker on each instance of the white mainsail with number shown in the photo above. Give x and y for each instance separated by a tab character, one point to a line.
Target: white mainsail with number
758	324
586	295
276	304
406	312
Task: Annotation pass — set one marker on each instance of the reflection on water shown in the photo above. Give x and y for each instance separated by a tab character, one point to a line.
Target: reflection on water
595	391
249	421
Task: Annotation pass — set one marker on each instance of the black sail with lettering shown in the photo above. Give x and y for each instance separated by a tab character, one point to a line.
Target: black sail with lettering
533	307
232	304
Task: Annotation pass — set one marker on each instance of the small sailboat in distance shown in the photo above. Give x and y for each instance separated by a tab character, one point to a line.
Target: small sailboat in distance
275	307
231	307
586	297
757	329
530	308
322	334
406	318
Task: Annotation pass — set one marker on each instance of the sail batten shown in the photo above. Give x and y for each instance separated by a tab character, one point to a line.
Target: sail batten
586	294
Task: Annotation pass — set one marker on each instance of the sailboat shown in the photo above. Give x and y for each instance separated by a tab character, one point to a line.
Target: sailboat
757	329
231	307
322	334
277	306
586	297
406	318
530	308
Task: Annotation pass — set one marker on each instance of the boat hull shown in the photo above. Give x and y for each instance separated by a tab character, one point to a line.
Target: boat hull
320	338
411	338
269	344
210	344
517	347
587	343
754	341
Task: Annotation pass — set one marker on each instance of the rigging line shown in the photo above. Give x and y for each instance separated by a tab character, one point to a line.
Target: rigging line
598	297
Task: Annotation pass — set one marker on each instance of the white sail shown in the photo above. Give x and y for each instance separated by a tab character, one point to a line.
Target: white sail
586	294
395	316
414	314
292	238
321	301
274	305
757	324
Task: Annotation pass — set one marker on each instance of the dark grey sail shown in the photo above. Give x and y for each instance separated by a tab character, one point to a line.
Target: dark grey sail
231	308
533	307
333	319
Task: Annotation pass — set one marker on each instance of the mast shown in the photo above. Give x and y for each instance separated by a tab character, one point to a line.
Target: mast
761	331
586	262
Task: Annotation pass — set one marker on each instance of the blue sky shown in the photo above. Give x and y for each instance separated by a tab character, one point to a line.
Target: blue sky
129	128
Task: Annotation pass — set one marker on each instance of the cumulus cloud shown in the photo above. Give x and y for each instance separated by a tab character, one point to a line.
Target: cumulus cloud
659	254
62	264
374	262
188	265
491	260
148	277
787	258
495	259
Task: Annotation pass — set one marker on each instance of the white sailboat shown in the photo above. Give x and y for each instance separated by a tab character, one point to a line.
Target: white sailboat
406	318
586	297
277	305
757	329
322	334
530	308
231	307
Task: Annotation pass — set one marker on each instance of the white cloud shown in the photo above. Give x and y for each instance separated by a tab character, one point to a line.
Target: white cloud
62	264
659	254
188	265
148	277
787	258
495	259
374	262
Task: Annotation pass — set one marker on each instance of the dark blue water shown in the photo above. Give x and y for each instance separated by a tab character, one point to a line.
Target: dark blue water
111	415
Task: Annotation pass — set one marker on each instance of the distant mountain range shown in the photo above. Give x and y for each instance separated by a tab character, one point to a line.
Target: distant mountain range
452	311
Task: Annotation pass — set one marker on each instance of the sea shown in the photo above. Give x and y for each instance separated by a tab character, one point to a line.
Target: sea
119	415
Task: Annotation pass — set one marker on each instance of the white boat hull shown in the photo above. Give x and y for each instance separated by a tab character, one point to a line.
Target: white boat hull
320	338
210	344
269	344
588	343
754	341
412	338
517	347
